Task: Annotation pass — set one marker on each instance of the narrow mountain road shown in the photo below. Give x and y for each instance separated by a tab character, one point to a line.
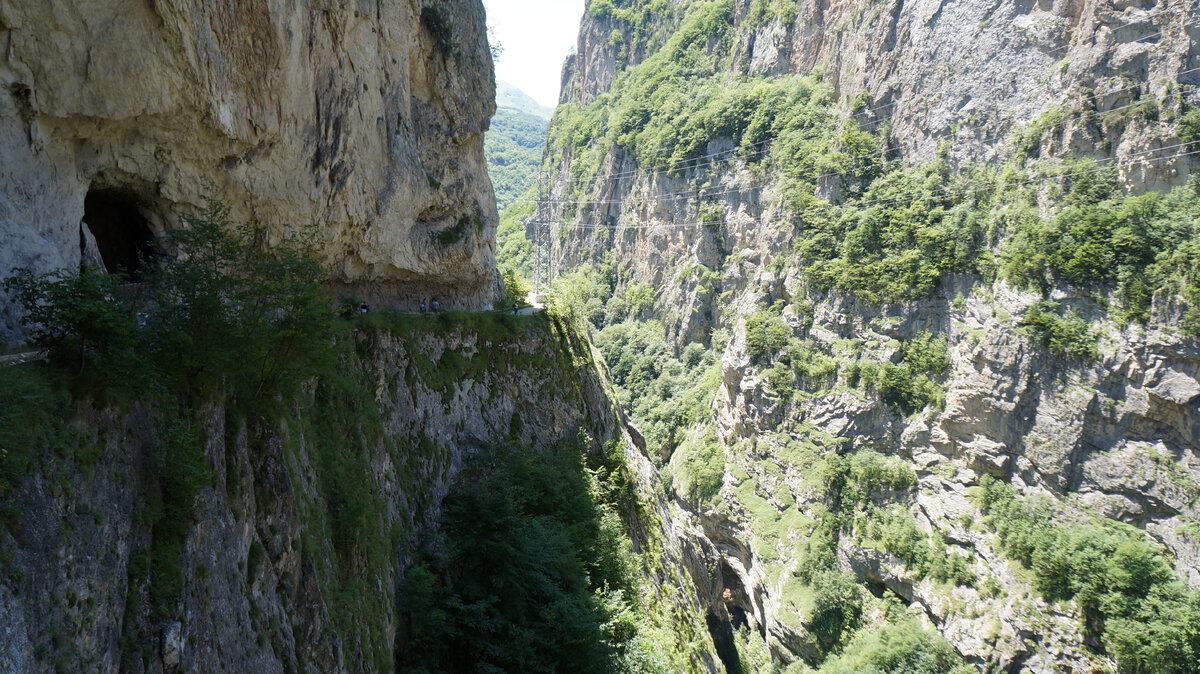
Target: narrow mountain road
22	357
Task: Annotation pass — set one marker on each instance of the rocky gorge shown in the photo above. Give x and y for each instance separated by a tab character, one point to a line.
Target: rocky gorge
872	342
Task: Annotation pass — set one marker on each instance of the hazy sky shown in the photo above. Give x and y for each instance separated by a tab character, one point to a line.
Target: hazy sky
536	36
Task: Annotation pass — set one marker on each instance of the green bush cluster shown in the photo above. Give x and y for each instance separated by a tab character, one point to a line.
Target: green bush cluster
455	233
443	37
1136	245
899	244
33	408
1125	588
583	294
667	395
925	555
766	335
1189	124
763	12
637	15
795	361
701	467
917	225
516	289
666	392
545	582
1064	333
178	471
901	646
855	488
910	385
837	608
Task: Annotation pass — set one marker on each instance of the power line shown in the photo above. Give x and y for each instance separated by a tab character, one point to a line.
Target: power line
860	161
948	134
912	196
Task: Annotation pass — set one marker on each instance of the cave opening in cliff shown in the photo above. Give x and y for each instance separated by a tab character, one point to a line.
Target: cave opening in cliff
123	235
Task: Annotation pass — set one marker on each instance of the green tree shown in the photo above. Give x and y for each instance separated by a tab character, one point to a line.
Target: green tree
82	321
515	287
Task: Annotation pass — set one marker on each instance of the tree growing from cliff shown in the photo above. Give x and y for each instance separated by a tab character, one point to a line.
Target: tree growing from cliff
80	320
231	311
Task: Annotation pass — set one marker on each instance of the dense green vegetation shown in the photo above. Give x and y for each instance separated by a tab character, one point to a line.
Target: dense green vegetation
1064	333
701	472
33	406
897	647
1136	245
192	325
513	250
546	582
219	322
635	23
667	393
766	11
513	146
1124	586
910	386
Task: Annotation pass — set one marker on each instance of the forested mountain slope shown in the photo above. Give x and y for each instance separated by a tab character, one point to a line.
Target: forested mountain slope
514	143
905	297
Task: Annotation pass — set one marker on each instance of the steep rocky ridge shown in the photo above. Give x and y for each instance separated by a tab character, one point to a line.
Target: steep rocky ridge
714	229
365	120
267	580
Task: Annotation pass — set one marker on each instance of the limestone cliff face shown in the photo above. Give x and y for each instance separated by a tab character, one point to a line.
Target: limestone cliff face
364	120
964	74
962	80
1114	437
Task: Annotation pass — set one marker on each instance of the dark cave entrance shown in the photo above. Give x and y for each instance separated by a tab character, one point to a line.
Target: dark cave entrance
122	232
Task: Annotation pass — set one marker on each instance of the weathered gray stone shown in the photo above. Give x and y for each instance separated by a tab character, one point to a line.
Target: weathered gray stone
355	119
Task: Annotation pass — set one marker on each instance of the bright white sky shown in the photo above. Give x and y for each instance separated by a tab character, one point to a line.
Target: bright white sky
536	36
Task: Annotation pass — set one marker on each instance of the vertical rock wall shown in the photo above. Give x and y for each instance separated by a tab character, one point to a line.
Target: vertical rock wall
363	120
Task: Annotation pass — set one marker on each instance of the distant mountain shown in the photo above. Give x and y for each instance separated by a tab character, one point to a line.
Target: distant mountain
514	142
508	96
